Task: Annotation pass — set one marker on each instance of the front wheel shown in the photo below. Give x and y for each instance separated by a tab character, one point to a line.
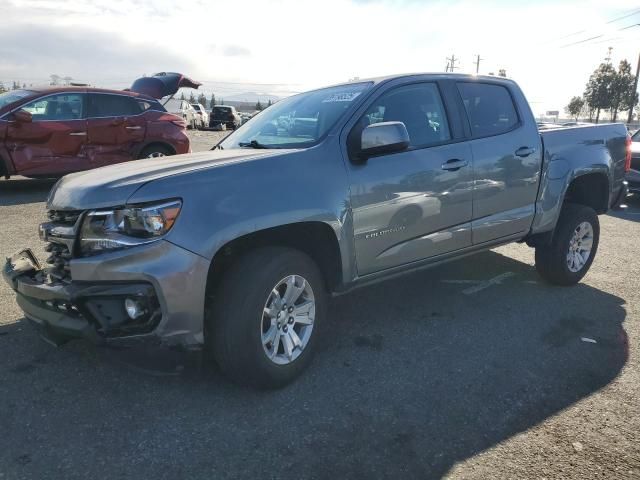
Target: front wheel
575	241
262	322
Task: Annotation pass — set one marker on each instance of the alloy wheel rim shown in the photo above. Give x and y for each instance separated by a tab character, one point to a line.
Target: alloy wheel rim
156	155
288	319
580	246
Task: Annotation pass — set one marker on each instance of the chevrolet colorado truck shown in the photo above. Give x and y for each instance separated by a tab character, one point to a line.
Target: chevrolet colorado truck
237	250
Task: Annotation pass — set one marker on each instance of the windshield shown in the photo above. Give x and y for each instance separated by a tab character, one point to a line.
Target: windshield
197	107
13	96
298	121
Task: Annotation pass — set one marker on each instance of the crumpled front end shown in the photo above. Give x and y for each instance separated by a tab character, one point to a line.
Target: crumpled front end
152	293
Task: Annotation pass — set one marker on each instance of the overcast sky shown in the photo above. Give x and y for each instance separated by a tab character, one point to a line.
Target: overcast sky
284	46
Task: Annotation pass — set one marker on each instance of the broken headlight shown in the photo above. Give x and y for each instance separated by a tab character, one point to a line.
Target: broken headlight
127	227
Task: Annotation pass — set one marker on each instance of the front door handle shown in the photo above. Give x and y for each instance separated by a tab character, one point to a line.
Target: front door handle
525	151
137	127
78	134
454	164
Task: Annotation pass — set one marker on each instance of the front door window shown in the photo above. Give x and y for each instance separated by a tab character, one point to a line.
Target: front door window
61	107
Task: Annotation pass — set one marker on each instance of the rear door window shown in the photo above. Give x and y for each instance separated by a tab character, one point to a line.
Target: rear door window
489	107
106	105
150	105
64	106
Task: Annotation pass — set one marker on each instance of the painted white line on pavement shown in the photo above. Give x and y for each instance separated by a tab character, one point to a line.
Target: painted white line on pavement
487	283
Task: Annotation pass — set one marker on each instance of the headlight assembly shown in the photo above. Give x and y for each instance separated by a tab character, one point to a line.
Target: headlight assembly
126	227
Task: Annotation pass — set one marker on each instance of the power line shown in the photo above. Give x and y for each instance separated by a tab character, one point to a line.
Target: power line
582	41
599	36
624	16
627	14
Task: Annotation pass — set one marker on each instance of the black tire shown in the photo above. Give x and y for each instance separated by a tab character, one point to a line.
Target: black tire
155	149
234	316
551	259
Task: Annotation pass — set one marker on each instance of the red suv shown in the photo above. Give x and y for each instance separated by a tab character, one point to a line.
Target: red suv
54	131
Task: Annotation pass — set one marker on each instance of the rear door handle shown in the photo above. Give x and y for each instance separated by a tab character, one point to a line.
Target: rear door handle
454	164
78	134
525	151
138	127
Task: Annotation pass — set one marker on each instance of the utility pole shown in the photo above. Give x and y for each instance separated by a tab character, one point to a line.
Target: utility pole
477	62
452	63
632	103
608	57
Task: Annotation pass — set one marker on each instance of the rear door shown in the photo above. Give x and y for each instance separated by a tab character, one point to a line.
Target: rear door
507	159
53	143
116	128
414	204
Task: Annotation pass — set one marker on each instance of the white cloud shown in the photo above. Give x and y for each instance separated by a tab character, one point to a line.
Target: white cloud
286	45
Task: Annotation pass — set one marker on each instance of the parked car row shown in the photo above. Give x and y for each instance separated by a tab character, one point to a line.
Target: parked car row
49	132
221	117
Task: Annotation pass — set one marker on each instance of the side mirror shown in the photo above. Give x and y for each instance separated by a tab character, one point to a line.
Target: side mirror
22	116
384	137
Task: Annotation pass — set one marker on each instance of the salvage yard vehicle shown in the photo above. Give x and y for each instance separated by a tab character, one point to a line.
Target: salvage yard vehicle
202	114
184	110
49	132
224	115
633	175
236	250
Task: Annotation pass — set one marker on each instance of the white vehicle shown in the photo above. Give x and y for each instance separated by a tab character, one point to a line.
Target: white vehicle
183	109
202	113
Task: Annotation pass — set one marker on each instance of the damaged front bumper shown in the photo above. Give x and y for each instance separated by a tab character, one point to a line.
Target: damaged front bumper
157	279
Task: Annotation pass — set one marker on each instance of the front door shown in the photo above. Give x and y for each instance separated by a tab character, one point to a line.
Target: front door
507	161
414	204
116	126
53	143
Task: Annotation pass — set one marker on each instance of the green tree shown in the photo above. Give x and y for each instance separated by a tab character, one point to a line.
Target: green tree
597	93
622	89
202	100
2	88
269	103
259	105
192	99
182	96
576	104
212	102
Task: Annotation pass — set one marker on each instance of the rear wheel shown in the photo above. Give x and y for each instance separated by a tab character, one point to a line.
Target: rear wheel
575	241
262	322
155	151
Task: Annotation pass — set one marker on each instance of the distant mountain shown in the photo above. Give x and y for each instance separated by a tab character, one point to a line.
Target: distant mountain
250	97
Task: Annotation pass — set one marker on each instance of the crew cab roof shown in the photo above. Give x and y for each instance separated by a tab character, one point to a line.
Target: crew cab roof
433	75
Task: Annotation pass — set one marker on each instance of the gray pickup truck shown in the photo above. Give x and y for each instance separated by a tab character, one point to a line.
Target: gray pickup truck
236	250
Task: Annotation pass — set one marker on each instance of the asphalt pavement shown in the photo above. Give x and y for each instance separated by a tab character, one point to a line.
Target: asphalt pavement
474	369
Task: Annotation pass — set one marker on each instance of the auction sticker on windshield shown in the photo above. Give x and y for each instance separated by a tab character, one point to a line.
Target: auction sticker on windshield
341	97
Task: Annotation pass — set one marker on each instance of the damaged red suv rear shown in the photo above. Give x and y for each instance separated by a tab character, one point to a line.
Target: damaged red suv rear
53	131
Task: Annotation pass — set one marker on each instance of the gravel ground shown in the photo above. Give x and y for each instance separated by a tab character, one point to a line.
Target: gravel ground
418	377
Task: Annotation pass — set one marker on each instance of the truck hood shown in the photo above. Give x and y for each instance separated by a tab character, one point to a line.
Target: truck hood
111	186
